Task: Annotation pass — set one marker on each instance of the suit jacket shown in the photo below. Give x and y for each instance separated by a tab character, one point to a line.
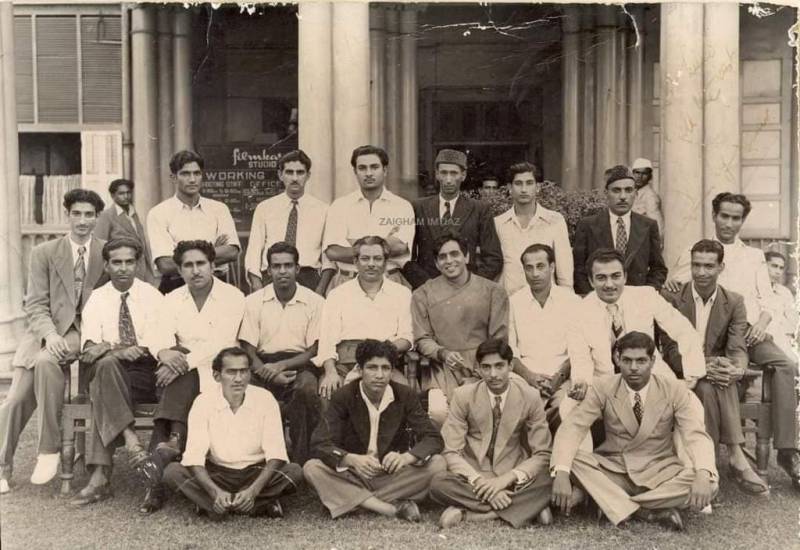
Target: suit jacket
344	427
727	325
113	225
473	220
643	261
646	452
50	304
523	438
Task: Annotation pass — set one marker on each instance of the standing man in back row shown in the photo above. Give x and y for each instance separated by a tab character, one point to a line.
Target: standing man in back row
647	202
187	217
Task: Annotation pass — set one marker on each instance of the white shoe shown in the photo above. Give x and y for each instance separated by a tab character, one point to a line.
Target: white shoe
4	487
46	468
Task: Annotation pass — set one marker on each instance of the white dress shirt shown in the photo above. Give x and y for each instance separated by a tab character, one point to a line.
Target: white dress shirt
538	335
207	331
745	273
172	221
251	435
75	254
269	226
642	394
702	311
784	319
442	208
351	217
375	416
349	314
546	227
270	326
502	397
100	318
626	221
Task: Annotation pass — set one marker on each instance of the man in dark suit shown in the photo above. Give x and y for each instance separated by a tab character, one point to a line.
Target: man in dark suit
121	220
449	211
634	235
375	447
719	316
61	277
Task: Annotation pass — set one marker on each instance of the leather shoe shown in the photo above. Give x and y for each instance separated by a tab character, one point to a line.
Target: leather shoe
669	518
153	499
91	494
545	517
789	460
451	517
168	451
46	468
274	509
408	510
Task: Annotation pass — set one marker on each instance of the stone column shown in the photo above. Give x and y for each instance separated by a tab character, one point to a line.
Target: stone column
182	66
588	111
127	133
635	61
409	148
12	318
392	106
681	168
622	91
165	98
315	94
146	161
351	126
377	63
722	131
570	165
606	84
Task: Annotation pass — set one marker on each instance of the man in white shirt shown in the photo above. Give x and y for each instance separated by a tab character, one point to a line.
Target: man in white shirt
369	306
294	217
188	216
204	317
370	210
647	202
120	334
235	459
785	318
375	448
526	223
279	332
746	274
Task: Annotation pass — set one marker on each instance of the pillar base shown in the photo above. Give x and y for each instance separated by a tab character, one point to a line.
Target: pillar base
11	331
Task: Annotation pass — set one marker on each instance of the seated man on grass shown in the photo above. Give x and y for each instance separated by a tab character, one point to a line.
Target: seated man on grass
235	459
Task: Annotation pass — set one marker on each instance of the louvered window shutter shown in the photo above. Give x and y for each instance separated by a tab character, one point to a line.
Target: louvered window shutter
57	68
101	69
23	57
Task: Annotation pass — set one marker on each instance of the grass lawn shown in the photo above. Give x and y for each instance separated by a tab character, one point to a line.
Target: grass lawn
36	517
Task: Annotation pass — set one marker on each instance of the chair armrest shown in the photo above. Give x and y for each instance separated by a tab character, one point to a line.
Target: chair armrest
411	369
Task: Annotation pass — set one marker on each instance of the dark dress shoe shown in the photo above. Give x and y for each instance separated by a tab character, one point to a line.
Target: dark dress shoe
670	518
789	460
91	494
274	509
168	451
408	510
153	500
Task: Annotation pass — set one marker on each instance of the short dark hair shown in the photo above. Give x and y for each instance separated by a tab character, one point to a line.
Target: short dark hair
298	155
121	242
185	246
233	351
604	256
371	240
369	150
519	168
117	183
635	340
770	254
490	177
448	236
494	345
370	349
539	247
184	157
83	195
736	198
281	247
707	245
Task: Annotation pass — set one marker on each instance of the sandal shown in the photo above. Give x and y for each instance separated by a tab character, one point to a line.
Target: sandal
137	456
749	481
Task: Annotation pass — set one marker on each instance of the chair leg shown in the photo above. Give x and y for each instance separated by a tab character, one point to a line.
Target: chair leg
762	456
67	456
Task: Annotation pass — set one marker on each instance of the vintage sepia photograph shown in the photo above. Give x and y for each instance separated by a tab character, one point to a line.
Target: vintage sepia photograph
418	275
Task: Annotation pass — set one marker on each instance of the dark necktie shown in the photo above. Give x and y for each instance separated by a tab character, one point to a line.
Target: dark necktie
80	274
497	412
622	236
638	409
447	214
127	334
291	226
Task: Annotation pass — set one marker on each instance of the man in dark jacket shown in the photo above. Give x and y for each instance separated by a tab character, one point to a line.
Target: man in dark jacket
375	447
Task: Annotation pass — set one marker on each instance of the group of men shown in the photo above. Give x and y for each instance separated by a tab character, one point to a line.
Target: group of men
550	370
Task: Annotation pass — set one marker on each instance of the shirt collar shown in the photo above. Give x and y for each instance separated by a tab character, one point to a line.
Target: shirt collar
737	242
385	195
182	204
642	392
626	218
452	202
269	295
221	403
132	291
121	211
381	290
698	298
386	400
502	396
75	246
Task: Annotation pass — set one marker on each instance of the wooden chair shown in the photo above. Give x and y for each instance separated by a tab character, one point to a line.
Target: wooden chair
760	413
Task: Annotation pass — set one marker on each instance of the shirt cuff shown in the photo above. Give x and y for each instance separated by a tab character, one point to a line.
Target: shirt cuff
555	469
522	477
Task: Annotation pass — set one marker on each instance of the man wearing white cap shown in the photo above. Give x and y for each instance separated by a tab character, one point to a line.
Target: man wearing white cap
647	202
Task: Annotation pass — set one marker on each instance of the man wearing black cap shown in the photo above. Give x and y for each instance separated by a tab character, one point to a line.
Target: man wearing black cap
447	212
632	234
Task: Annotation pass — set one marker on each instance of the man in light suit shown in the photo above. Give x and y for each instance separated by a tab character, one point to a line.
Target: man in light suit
634	235
497	447
636	471
61	277
121	220
720	318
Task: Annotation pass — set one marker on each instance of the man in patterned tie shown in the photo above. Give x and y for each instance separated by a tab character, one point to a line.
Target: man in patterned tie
636	237
121	334
61	277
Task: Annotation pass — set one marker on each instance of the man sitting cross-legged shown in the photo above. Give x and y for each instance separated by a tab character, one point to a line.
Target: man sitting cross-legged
636	470
235	459
121	331
366	455
497	448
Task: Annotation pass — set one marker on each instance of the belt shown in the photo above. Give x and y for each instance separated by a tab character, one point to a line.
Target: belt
353	274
